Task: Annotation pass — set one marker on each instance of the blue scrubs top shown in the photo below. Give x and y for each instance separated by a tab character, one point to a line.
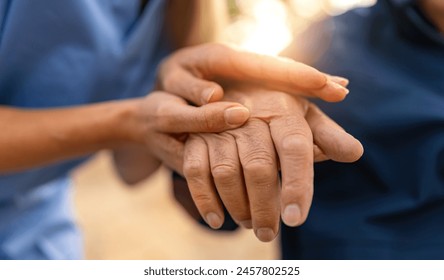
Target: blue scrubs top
64	53
390	204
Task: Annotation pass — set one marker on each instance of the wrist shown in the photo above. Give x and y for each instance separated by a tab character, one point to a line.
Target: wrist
127	122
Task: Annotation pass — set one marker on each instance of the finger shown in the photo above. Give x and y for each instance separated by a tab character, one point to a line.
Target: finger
182	83
258	159
221	60
228	177
173	115
294	144
277	72
334	142
169	150
196	169
331	92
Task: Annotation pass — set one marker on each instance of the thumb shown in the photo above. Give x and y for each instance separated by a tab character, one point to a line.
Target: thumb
178	117
191	88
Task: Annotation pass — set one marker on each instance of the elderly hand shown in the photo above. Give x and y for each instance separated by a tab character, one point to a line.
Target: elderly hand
239	167
195	73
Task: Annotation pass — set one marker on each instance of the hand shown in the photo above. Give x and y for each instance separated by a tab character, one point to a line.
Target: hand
194	73
166	119
239	168
186	74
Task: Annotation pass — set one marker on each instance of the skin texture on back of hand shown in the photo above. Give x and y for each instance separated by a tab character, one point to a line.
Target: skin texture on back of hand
196	74
240	168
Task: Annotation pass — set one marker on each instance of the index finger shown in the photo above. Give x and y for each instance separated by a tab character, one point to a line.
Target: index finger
224	61
216	60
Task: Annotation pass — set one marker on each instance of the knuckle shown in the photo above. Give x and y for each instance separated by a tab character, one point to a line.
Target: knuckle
224	171
254	125
297	187
261	166
203	200
193	168
296	142
254	133
196	88
302	187
294	122
265	216
164	116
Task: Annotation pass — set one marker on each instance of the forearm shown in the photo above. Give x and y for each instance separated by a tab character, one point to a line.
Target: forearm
30	138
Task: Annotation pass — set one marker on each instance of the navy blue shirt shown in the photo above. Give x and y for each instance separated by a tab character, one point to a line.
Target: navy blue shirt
390	204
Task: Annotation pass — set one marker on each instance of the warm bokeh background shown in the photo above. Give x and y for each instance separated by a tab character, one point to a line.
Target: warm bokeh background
144	222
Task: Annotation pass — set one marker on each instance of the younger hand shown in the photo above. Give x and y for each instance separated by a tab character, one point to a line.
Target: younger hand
195	73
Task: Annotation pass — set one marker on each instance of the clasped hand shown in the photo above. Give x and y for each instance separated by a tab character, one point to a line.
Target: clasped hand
239	168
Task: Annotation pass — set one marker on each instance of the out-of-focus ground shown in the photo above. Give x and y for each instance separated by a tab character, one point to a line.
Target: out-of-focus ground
144	221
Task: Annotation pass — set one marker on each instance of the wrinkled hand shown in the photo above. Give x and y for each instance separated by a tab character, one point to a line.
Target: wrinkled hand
195	73
239	167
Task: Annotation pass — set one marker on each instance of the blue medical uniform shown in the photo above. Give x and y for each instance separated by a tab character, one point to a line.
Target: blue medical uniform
64	53
390	204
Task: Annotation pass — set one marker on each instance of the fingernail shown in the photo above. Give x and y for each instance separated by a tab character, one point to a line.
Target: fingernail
236	115
265	234
340	80
292	215
213	220
338	87
207	94
246	224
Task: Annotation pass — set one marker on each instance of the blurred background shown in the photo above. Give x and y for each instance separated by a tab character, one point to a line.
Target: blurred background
144	221
268	26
